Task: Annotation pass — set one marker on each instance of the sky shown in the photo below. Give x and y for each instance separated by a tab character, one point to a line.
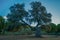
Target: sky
52	6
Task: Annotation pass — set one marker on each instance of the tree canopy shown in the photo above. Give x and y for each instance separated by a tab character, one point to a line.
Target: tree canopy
38	14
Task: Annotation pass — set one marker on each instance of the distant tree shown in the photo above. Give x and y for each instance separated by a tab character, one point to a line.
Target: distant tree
58	28
1	23
8	26
52	29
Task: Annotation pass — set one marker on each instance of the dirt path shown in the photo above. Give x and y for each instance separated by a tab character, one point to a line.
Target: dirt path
27	37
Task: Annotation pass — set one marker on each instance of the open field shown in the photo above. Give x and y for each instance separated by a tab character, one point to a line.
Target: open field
28	37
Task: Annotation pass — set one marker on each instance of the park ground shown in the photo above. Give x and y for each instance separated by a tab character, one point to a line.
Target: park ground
28	37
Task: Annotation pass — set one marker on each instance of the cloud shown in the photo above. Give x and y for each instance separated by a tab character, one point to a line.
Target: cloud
5	17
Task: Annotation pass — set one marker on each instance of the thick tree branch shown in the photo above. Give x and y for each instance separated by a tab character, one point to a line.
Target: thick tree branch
26	23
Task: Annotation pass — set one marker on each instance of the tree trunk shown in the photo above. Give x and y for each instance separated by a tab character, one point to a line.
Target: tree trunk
38	31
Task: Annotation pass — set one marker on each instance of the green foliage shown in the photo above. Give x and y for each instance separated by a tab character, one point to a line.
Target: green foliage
39	13
58	28
2	21
53	28
17	13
